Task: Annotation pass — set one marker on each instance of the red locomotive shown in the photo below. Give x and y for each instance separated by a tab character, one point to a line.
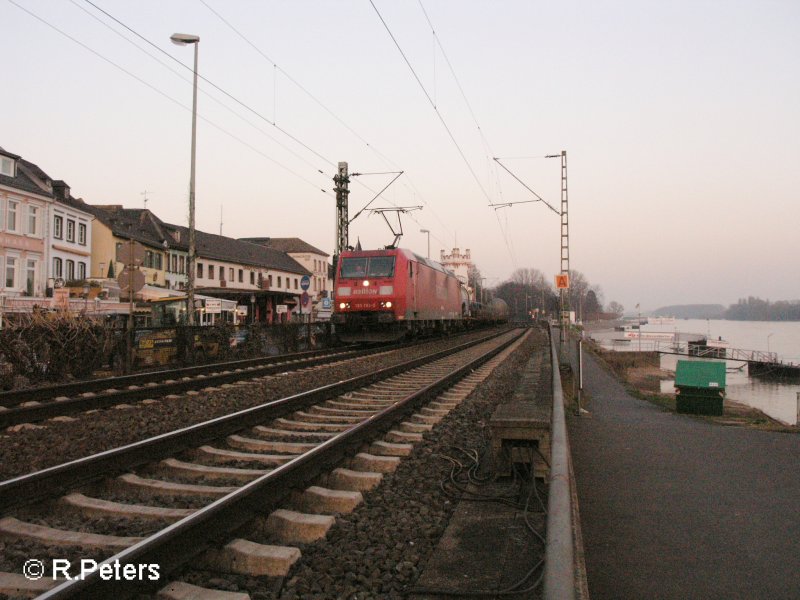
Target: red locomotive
384	295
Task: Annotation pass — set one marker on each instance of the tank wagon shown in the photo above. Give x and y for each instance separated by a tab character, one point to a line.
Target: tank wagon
385	295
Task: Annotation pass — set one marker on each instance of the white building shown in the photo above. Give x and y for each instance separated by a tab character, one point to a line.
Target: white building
461	265
70	238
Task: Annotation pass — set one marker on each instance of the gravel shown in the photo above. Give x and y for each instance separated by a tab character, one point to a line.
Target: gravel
29	450
380	549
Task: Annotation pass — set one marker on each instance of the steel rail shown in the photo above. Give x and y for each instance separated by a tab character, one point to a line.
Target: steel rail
40	412
12	398
28	488
176	545
559	565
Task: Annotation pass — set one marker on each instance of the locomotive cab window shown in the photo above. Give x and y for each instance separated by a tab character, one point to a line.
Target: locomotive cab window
381	266
354	267
375	266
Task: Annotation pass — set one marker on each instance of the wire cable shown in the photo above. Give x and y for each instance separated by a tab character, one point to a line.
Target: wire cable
276	68
161	93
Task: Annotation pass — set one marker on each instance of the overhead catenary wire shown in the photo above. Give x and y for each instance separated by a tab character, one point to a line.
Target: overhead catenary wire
441	119
165	95
208	95
215	86
277	68
250	146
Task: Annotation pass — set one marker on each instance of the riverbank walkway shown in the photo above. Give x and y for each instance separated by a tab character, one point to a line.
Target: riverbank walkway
673	506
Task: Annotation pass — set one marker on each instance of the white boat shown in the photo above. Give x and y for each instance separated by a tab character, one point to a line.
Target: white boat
660	320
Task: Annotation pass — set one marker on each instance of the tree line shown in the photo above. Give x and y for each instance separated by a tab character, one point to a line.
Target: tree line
756	309
529	292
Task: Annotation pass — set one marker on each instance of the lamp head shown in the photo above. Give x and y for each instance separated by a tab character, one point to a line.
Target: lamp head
182	39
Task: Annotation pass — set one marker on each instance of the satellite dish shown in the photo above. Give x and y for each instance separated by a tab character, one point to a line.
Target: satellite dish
59	283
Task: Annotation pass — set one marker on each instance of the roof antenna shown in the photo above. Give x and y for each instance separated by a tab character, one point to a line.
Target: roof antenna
220	219
144	193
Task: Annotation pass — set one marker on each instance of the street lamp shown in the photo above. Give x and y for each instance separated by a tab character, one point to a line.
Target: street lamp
429	240
182	39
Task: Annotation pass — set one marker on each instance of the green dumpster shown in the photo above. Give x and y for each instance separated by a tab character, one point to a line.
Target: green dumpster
699	387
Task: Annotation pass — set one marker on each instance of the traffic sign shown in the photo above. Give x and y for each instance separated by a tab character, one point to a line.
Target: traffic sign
326	303
305	282
130	254
281	309
304	299
562	282
130	279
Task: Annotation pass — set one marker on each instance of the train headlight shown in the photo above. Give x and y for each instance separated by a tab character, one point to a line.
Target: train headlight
342	305
365	283
389	304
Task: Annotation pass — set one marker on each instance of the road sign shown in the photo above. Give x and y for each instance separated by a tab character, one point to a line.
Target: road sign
281	308
326	303
304	299
213	306
130	278
130	254
562	281
305	282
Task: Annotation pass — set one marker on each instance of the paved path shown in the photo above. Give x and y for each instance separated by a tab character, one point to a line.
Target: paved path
674	507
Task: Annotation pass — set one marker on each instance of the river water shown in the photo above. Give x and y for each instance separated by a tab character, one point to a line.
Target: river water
778	399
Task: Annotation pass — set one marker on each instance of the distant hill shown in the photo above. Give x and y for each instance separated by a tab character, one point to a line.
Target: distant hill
691	311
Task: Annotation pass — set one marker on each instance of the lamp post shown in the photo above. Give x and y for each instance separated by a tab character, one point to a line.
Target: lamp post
429	240
252	308
182	39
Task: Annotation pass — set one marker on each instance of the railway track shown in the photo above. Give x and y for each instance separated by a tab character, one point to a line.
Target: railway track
38	404
316	437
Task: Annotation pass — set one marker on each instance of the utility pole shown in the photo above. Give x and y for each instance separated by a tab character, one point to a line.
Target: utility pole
564	293
342	181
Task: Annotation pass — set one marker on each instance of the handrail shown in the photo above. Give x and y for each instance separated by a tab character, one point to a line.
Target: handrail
559	567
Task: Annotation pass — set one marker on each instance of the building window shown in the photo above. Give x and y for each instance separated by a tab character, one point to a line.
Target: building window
182	265
159	261
58	227
30	277
70	230
33	219
6	166
241	275
81	270
279	280
11	271
12	215
58	267
295	283
252	277
269	279
211	271
82	234
230	273
199	270
2	216
70	270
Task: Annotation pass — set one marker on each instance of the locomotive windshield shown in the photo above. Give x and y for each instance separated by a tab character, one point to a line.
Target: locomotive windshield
375	266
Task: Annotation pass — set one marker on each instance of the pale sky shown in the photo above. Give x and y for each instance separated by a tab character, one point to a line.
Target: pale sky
681	121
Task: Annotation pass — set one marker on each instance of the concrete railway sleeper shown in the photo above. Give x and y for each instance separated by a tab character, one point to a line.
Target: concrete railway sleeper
308	462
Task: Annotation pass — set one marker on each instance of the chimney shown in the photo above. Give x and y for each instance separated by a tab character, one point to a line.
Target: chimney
61	190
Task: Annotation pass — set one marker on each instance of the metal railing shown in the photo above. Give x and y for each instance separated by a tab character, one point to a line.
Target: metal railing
559	569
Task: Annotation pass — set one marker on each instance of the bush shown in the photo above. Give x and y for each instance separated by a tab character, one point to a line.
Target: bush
52	347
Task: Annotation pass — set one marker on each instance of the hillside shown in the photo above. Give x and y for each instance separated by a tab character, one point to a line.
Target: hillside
691	311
